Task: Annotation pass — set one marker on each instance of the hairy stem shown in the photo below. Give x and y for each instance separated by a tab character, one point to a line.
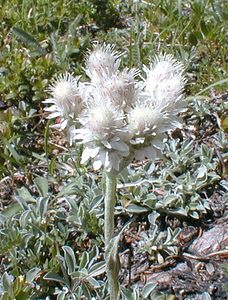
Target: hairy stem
112	263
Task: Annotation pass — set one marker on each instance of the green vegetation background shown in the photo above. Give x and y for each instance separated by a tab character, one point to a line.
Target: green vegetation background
51	218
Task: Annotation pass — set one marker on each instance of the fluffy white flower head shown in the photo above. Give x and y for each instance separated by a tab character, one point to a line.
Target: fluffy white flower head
101	123
66	100
101	62
121	89
104	136
164	82
143	119
164	67
145	123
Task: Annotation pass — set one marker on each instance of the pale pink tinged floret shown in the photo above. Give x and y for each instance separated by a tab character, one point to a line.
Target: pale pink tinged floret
141	120
121	89
101	62
66	99
104	136
165	82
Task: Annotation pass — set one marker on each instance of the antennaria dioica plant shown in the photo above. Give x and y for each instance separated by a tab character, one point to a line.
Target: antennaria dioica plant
117	118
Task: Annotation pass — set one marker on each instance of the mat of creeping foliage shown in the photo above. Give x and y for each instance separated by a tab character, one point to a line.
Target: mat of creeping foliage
181	246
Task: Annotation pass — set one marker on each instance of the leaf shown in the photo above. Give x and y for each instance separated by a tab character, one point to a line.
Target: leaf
153	217
68	189
25	239
205	296
93	255
18	158
22	202
42	186
169	200
74	24
3	219
46	137
94	283
84	260
97	269
178	211
28	39
54	277
43	207
86	292
24	218
7	280
55	51
194	214
25	194
171	235
61	296
70	259
202	172
128	295
136	209
32	274
10	211
148	289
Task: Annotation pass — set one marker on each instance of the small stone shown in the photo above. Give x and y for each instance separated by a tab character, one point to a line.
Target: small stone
213	240
210	268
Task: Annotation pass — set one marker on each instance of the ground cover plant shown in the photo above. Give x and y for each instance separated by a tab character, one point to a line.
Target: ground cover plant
52	206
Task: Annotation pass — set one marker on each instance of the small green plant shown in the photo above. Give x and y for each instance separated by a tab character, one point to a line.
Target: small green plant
186	186
117	119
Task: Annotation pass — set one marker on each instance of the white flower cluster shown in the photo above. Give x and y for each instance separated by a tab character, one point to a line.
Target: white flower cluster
115	116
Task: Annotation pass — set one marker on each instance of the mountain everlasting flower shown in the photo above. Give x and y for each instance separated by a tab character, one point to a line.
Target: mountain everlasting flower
114	115
104	136
65	100
165	82
121	89
118	119
144	119
156	112
146	123
102	62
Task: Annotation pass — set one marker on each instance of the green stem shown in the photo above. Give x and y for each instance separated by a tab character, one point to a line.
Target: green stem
110	201
112	267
